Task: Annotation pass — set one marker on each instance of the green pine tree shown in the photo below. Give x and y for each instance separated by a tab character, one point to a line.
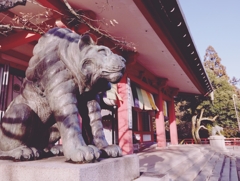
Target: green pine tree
224	89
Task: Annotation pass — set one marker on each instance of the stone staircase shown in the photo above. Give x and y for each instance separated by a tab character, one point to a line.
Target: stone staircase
187	163
213	166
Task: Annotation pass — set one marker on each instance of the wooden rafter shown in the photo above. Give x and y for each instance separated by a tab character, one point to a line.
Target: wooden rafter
18	55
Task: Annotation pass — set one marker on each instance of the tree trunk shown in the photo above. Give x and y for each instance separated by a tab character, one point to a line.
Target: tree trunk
194	120
196	126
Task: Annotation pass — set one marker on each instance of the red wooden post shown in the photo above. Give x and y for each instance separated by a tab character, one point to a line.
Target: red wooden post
160	127
124	133
173	125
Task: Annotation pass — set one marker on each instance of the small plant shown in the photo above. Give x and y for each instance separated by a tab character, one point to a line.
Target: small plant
209	129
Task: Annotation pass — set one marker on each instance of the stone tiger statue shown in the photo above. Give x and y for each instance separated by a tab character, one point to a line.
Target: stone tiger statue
63	80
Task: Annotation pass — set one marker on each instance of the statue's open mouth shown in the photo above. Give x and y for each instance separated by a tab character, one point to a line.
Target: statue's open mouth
105	72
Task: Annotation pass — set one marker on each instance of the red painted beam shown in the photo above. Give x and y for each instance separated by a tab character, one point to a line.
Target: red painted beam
17	39
55	5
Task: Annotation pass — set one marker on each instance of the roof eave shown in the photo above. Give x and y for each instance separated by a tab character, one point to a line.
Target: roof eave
166	18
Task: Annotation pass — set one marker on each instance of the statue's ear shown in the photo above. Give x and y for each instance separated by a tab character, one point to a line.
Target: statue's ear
85	40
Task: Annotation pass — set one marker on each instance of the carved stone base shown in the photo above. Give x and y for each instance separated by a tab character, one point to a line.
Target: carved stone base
217	142
55	168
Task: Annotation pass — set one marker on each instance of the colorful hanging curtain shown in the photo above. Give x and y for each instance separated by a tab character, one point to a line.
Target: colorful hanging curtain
143	99
111	96
140	98
135	97
146	101
165	109
152	102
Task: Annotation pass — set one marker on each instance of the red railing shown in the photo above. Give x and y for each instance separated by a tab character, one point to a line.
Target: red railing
232	141
228	141
191	141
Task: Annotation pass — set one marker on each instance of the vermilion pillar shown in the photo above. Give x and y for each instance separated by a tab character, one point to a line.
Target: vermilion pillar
160	125
173	125
124	133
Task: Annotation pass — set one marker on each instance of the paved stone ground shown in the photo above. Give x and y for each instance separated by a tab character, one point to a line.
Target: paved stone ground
189	163
238	167
237	155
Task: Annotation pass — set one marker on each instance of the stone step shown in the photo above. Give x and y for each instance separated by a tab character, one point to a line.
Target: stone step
153	162
168	169
175	173
212	168
229	172
199	164
225	175
196	163
233	170
153	176
222	167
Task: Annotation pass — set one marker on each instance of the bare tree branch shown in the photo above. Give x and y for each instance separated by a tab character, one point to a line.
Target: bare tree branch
202	126
37	23
33	22
196	125
102	33
7	28
48	9
209	119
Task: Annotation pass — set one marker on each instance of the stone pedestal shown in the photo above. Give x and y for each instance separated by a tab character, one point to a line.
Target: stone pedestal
55	168
217	142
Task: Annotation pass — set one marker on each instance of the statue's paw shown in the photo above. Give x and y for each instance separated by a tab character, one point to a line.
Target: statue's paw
22	153
57	150
26	153
83	154
111	151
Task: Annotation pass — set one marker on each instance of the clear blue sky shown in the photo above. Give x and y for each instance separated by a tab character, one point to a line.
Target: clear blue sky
216	23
